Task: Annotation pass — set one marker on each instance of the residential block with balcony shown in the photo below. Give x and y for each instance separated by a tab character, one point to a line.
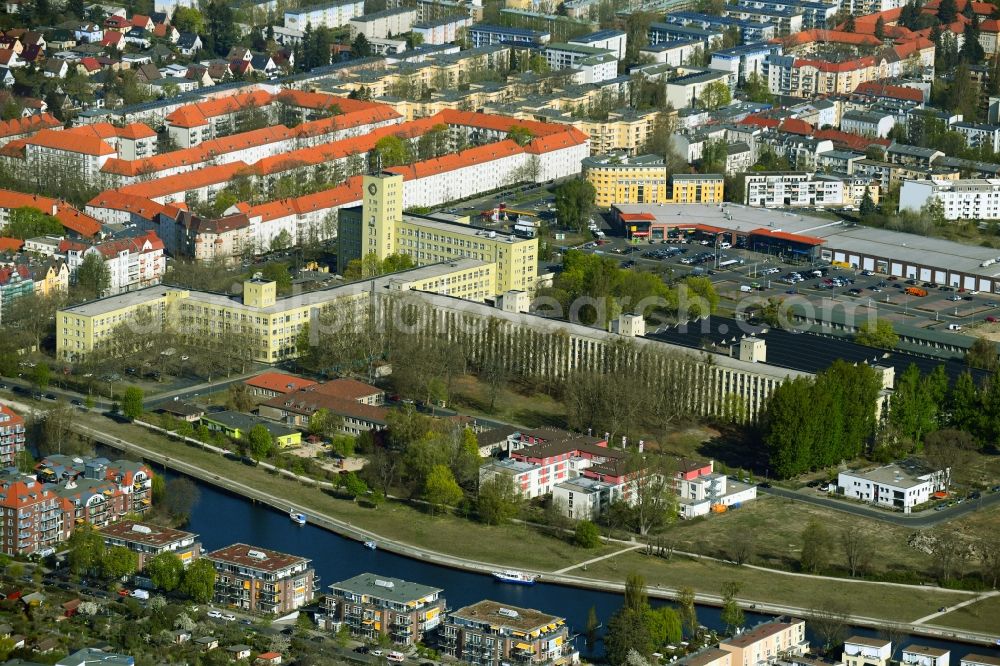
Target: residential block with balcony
260	580
767	642
488	633
148	541
373	606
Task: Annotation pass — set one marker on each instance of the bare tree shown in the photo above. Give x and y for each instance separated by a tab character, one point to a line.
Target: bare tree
948	552
895	634
742	550
830	622
857	550
988	549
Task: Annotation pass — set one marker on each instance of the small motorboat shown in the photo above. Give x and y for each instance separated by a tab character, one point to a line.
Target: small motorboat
297	518
515	577
371	545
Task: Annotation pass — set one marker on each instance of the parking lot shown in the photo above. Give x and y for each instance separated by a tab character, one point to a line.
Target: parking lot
739	274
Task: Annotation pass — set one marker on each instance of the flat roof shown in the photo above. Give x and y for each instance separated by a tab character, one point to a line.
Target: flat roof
385	587
759	632
926	650
526	620
869	241
147	533
870	642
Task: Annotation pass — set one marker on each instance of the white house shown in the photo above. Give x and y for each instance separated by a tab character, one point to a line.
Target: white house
868	123
864	651
965	199
611	40
893	486
922	655
328	14
701	490
132	263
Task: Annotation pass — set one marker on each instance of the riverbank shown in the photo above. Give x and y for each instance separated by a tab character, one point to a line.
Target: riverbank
459	543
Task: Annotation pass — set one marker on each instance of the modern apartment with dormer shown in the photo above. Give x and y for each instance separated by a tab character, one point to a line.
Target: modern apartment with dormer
260	580
373	606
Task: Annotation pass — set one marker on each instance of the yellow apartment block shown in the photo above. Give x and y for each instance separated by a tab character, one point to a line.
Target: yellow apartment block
258	319
644	179
381	228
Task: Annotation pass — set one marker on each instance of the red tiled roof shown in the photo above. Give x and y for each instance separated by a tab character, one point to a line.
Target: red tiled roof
446	163
73	142
853	141
186	181
796	126
145	208
8	244
879	89
278	382
637	217
136	131
32	123
830	36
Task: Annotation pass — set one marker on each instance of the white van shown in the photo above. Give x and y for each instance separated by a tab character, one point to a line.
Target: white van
745	288
725	246
395	656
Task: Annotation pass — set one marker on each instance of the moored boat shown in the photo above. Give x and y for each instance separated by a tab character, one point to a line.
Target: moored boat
515	577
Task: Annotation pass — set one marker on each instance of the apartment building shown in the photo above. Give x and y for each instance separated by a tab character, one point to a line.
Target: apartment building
260	580
644	179
923	655
750	31
593	64
96	490
31	516
701	490
815	14
12	436
386	231
766	642
387	23
267	325
979	134
707	657
332	14
742	61
868	123
442	30
132	262
963	199
899	486
491	634
789	20
668	32
147	541
795	189
610	40
979	660
375	606
865	651
625	131
485	34
676	53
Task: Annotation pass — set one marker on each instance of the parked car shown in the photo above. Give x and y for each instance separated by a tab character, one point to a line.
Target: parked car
215	614
229	617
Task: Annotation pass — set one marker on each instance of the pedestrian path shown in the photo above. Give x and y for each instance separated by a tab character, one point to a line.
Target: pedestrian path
598	559
949	609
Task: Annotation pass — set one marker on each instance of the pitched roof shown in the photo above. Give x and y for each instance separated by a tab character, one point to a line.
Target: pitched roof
33	123
72	142
182	182
141	206
278	382
8	244
881	89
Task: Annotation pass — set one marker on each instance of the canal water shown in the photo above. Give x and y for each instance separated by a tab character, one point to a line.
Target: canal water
222	518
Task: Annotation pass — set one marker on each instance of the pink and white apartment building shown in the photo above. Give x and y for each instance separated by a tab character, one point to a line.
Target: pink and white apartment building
766	642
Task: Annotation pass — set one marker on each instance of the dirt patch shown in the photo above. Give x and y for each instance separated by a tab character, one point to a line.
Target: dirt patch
321	454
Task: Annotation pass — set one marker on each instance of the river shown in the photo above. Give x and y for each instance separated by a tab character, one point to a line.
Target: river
221	518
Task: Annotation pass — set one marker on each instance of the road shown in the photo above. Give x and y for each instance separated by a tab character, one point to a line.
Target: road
920	520
360	534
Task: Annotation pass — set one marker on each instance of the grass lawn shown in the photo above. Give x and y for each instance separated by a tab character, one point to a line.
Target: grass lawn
864	599
981	616
534	410
777	523
444	533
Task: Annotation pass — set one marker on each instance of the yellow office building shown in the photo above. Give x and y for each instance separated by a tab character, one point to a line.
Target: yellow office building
644	179
381	228
259	321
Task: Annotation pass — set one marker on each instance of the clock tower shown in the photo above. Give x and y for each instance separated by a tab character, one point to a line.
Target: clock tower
382	209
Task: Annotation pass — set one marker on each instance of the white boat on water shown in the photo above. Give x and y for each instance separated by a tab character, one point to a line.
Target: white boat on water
370	545
515	577
297	518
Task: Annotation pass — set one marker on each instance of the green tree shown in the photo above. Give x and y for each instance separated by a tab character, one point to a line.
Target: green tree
199	581
188	19
757	90
867	207
158	488
360	47
593	624
26	222
574	200
118	562
93	277
282	241
587	535
521	135
440	488
499	500
41	375
881	335
983	355
354	485
166	571
260	443
732	614
664	626
86	548
880	28
914	406
816	544
688	610
278	273
393	151
715	96
132	402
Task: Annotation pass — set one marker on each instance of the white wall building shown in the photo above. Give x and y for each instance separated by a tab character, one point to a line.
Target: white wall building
966	199
380	25
922	655
977	134
868	123
584	498
893	486
700	490
443	30
792	189
611	40
132	263
864	651
674	53
329	14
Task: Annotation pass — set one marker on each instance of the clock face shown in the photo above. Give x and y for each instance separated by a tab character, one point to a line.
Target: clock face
372	188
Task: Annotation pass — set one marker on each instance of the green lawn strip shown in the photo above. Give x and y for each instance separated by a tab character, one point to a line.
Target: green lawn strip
863	599
983	616
509	545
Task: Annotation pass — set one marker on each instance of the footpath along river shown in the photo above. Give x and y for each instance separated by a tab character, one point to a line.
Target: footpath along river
222	518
